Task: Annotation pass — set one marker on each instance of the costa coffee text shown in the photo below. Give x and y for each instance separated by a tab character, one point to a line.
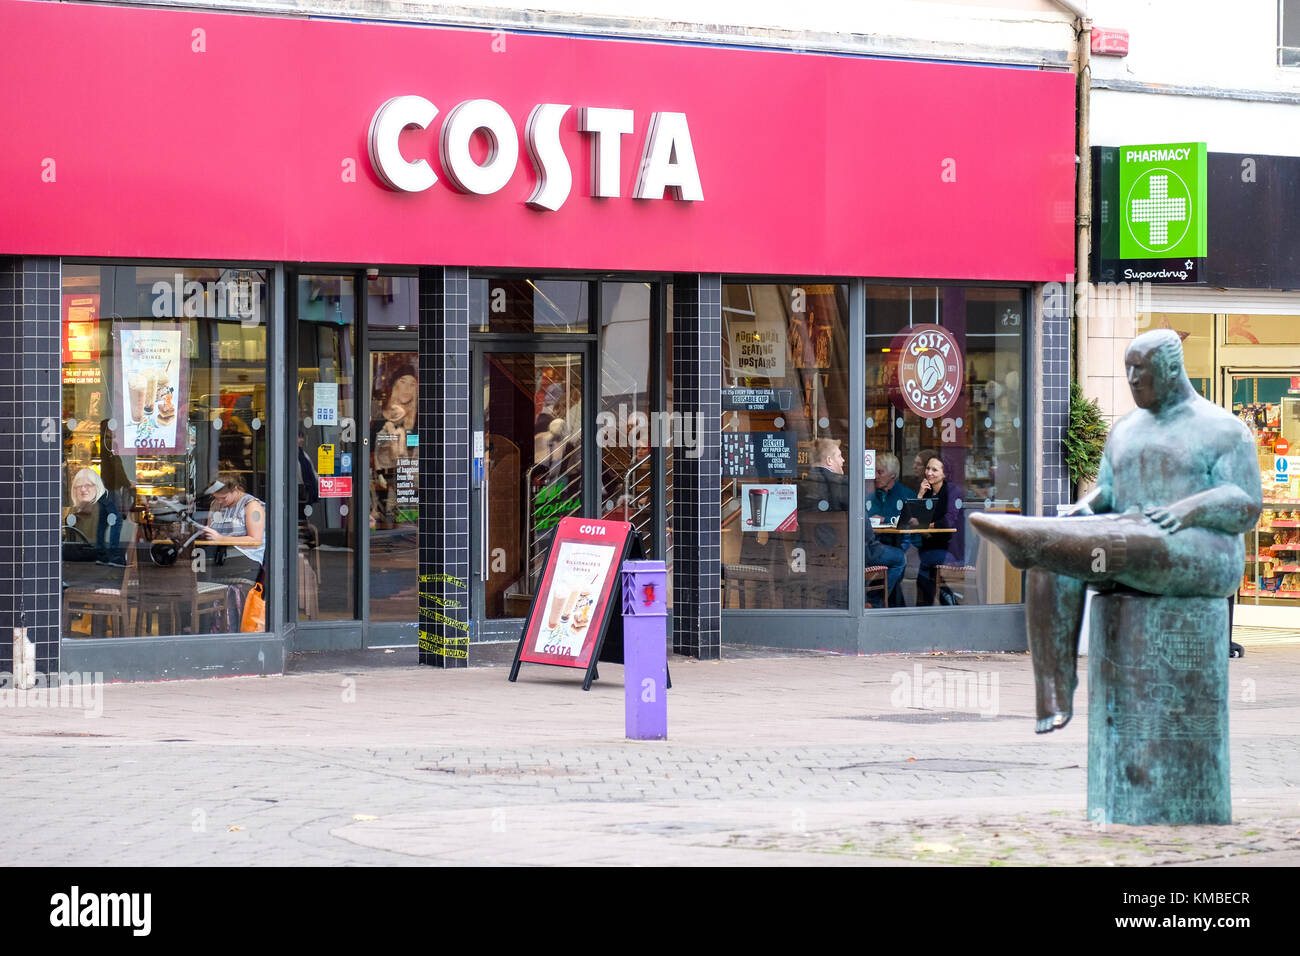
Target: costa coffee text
667	162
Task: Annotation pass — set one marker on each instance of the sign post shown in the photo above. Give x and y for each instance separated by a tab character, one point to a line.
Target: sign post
645	649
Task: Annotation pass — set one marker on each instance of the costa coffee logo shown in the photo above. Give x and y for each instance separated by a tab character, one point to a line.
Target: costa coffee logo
667	163
930	370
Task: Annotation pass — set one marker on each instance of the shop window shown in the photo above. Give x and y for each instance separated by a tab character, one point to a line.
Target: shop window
165	444
1288	33
1241	329
944	436
786	497
1269	406
529	306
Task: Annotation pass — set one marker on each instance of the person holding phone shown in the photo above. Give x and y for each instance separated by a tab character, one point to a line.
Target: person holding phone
933	548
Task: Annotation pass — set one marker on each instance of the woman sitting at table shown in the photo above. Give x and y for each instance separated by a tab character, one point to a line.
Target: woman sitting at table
96	518
933	548
239	520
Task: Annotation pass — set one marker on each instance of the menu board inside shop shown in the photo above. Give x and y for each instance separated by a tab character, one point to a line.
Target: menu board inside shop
759	454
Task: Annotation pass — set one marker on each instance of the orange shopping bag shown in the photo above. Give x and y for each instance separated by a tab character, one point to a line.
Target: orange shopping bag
254	621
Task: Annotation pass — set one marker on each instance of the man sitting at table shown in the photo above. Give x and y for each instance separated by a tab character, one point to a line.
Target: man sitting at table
885	501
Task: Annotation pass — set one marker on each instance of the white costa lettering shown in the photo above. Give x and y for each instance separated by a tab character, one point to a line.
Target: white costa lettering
667	166
554	178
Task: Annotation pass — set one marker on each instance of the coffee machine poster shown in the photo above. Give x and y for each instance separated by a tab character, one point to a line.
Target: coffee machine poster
769	507
150	378
568	616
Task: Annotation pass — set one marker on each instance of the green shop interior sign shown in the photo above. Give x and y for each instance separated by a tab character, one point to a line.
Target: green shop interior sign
1162	193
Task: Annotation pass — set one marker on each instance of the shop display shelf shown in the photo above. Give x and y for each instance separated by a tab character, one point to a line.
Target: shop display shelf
1288	523
1251	592
1286	568
1284	547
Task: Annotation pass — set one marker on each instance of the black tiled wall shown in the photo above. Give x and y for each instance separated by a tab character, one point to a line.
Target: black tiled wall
30	448
1054	402
697	482
444	467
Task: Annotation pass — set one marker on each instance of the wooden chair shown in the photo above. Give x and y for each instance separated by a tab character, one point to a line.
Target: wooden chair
173	589
824	537
113	604
877	579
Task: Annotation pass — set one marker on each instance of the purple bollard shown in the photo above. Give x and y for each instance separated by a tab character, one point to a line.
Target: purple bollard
645	649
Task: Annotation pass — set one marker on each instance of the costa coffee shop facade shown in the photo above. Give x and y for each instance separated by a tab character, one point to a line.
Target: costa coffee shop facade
412	294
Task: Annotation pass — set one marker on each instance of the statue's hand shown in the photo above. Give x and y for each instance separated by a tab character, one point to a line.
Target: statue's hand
1169	519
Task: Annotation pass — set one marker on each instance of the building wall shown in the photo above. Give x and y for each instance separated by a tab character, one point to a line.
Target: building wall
1012	31
1197	71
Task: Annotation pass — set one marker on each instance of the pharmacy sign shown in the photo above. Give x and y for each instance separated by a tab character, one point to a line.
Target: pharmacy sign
1162	192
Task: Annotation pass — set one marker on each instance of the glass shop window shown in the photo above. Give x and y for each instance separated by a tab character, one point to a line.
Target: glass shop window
786	499
945	433
165	445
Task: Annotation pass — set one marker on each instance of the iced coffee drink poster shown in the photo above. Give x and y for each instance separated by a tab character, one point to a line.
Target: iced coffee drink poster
581	574
150	385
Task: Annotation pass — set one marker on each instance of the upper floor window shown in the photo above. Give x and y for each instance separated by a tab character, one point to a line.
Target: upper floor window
1288	33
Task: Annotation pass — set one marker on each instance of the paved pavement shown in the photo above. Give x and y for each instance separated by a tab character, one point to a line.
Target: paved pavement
774	758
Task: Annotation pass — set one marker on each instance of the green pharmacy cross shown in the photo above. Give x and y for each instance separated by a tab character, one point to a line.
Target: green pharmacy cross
1163	193
1159	210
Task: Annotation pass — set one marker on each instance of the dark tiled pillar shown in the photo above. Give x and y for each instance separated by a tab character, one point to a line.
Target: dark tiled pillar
1055	400
444	467
697	482
30	430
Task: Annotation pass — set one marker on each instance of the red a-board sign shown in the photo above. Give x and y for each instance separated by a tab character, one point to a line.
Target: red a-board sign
575	599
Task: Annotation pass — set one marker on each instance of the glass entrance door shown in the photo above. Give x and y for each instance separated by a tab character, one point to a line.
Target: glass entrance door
326	410
530	468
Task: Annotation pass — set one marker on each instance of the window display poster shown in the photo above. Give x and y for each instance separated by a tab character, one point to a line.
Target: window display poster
325	403
408	481
758	348
759	454
757	399
334	486
769	507
150	374
81	338
574	600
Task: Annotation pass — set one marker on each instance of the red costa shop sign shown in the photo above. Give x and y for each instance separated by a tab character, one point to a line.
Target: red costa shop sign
335	487
930	370
346	142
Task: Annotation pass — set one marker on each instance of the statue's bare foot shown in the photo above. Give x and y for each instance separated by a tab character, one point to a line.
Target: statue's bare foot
1052	722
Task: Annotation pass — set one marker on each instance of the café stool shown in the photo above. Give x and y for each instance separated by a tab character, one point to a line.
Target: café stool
877	579
738	576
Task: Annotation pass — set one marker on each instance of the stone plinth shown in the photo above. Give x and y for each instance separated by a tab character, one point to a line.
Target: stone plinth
1158	710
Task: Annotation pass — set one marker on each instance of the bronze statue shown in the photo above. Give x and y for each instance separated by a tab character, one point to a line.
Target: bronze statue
1178	486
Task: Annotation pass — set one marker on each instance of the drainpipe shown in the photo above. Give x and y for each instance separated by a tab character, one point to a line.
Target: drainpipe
1083	192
